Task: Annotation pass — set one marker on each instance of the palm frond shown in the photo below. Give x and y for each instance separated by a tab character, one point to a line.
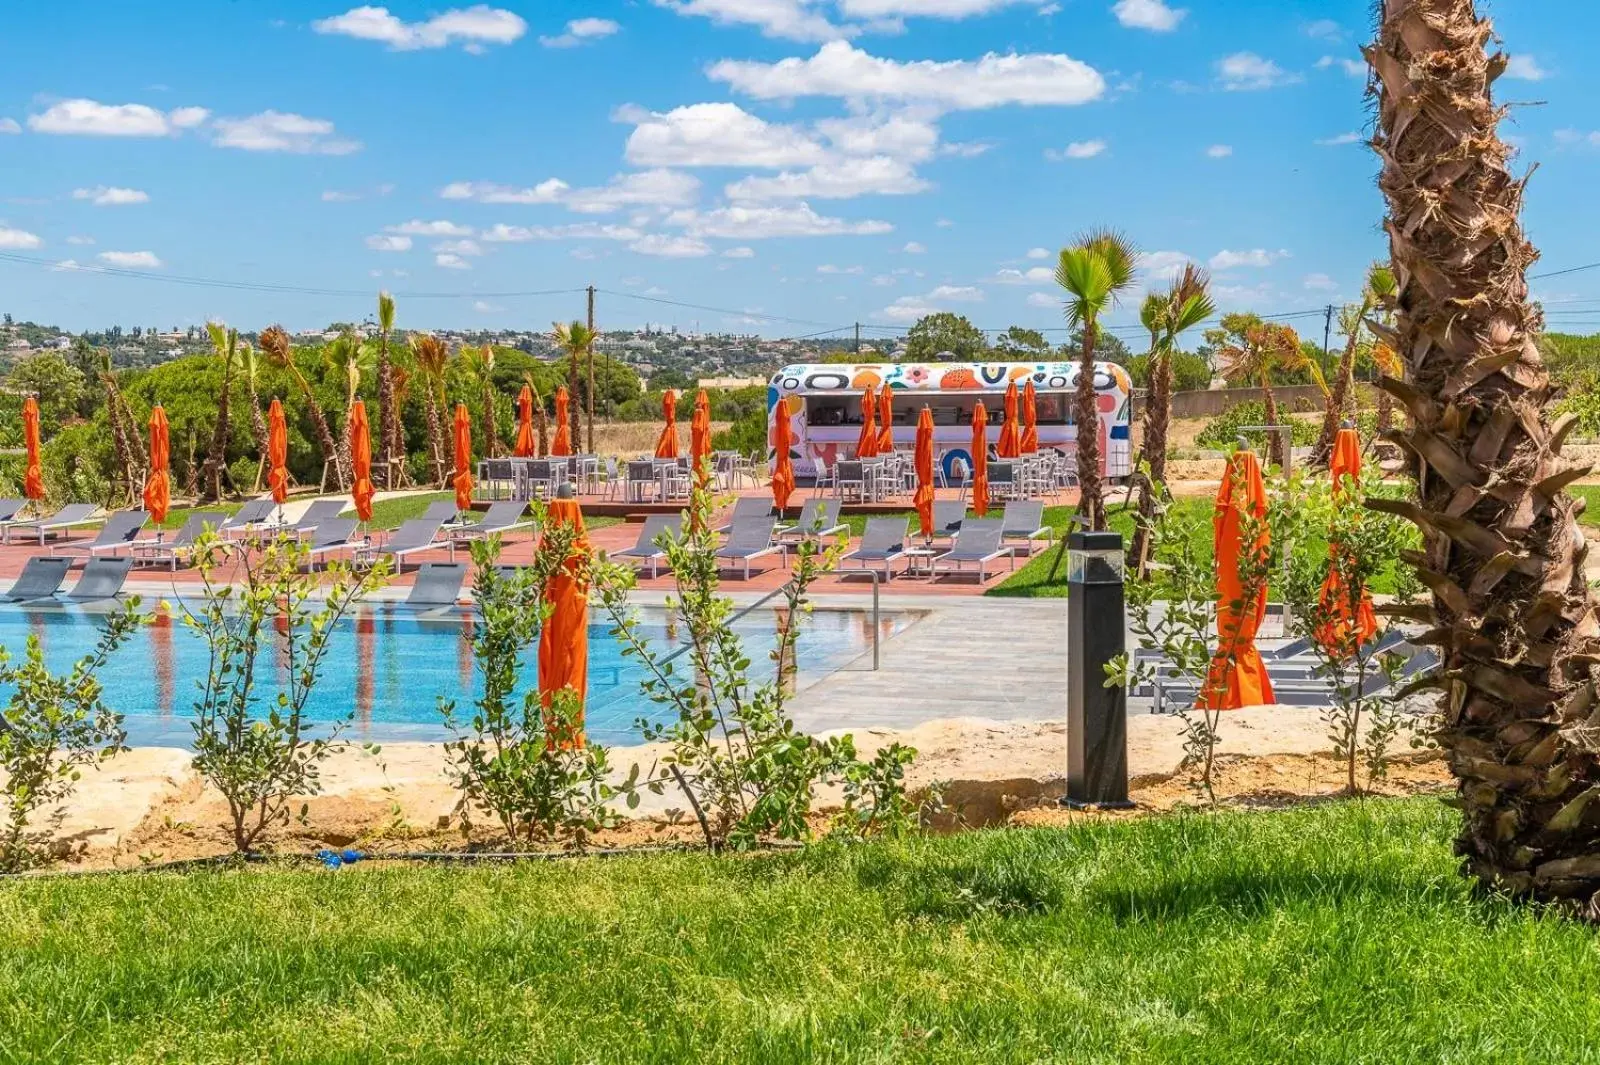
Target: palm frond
385	312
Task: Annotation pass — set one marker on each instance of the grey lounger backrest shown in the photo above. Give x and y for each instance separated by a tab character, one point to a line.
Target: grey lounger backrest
654	526
749	534
749	507
501	515
10	508
319	511
948	516
41	578
438	584
333	532
71	514
413	535
819	512
256	510
1022	518
102	578
196	525
980	537
443	510
884	536
121	527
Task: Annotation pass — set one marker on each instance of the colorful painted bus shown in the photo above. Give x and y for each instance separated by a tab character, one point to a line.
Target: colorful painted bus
823	404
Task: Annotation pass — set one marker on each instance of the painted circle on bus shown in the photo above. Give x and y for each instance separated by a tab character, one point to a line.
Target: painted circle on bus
828	379
948	464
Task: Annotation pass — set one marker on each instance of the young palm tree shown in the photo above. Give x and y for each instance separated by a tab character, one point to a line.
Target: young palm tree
388	409
1352	323
1503	554
225	345
279	351
432	356
1095	271
575	341
483	368
1252	352
351	359
127	441
250	366
541	421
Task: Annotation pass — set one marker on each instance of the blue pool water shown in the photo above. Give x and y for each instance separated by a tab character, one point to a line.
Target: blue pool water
390	665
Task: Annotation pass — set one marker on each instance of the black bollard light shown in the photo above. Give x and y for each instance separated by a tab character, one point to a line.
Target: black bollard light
1097	716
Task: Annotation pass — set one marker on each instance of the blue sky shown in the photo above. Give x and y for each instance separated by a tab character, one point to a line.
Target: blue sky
794	164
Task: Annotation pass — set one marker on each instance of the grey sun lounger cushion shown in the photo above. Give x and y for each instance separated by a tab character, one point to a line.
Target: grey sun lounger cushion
10	508
255	512
1025	521
41	578
415	535
115	535
443	510
169	550
749	540
438	584
882	543
646	547
102	578
332	535
71	515
977	544
744	508
948	516
500	517
819	517
319	511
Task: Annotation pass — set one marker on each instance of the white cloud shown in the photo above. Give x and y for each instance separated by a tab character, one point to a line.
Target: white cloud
1148	15
1038	253
1044	299
739	253
1343	138
1036	275
1244	71
18	239
1163	264
944	223
904	135
9	125
914	248
1321	283
381	242
338	196
751	222
277	131
1356	68
500	233
130	260
841	180
91	118
910	308
1219	151
884	280
792	20
829	268
944	9
485	307
70	265
716	134
439	228
459	247
653	188
80	240
1325	30
111	196
1525	68
472	27
1256	257
1076	150
549	191
582	31
451	261
670	247
841	70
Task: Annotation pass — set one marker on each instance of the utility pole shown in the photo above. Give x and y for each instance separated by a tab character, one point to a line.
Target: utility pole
591	371
1327	338
858	339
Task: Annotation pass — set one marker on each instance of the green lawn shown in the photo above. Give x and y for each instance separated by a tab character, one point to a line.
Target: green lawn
1337	933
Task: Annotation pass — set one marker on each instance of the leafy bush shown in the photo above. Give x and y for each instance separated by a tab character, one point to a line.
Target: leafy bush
1221	433
747	435
1190	372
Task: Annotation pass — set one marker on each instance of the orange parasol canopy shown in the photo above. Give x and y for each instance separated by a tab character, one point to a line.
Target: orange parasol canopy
564	641
1010	443
700	438
923	461
158	486
562	444
277	453
980	460
667	442
463	442
525	446
867	442
1342	635
33	477
1237	676
885	421
1030	420
783	461
361	459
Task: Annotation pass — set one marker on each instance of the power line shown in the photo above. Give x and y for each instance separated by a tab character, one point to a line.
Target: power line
1563	273
718	310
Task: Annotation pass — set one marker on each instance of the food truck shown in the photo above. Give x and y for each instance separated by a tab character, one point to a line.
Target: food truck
823	405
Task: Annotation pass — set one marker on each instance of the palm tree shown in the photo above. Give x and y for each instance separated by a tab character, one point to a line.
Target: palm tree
575	341
127	441
224	345
432	356
483	368
1095	271
1503	553
250	364
1254	351
276	347
350	358
1167	315
388	409
541	422
1352	323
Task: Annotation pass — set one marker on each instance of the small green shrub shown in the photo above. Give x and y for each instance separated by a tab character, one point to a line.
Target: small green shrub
1221	433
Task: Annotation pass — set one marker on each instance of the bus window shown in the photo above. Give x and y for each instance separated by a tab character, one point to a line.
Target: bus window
1053	408
828	410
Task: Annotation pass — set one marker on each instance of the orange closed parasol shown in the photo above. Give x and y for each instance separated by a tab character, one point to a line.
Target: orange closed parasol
361	459
158	486
867	442
885	420
463	441
1010	444
525	446
700	438
980	460
564	641
33	476
923	461
1237	676
1342	635
782	460
562	446
277	453
667	442
1030	420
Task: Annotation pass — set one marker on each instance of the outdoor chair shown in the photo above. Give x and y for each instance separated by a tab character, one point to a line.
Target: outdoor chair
412	537
823	476
254	516
850	480
319	511
331	536
41	578
1002	480
977	544
818	518
749	540
71	516
882	543
948	515
438	584
115	536
647	548
159	550
500	518
442	511
745	508
642	480
497	475
10	508
1023	525
102	578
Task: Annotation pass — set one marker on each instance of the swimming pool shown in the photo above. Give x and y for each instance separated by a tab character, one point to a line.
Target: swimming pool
391	665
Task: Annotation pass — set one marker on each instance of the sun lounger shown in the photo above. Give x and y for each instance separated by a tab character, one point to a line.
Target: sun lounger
41	578
258	515
1023	524
746	507
115	536
169	551
413	536
977	544
818	518
331	536
1306	691
947	518
438	584
319	511
646	547
70	516
500	518
443	511
750	539
10	508
883	542
102	578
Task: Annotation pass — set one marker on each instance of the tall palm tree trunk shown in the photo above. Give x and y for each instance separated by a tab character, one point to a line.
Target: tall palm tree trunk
1516	622
216	466
575	416
491	442
1338	401
1153	456
1085	412
1276	455
590	399
430	407
386	413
